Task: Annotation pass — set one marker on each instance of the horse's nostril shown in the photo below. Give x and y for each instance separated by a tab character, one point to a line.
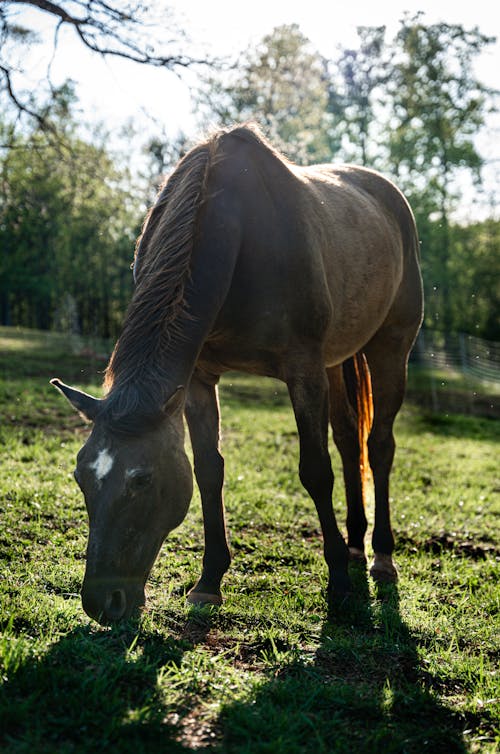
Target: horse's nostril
115	604
110	600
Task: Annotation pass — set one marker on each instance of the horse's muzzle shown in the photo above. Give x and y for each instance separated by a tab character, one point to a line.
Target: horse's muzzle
110	601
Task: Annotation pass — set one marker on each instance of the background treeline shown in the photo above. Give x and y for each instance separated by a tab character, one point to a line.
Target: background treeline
410	106
68	222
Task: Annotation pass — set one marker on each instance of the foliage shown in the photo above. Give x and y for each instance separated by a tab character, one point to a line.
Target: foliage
407	669
67	228
358	81
471	295
282	85
162	155
438	106
474	291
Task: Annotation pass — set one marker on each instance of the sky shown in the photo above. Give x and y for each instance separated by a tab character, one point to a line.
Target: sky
114	92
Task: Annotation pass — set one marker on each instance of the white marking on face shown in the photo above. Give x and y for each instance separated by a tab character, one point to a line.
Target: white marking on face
102	464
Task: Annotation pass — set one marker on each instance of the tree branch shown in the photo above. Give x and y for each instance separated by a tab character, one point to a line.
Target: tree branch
17	102
103	23
123	30
55	10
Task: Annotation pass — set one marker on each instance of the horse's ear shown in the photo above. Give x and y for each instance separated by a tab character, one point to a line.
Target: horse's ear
176	402
84	403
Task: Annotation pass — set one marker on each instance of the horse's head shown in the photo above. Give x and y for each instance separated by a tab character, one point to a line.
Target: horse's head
137	488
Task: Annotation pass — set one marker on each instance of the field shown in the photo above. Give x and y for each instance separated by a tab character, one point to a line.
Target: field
411	668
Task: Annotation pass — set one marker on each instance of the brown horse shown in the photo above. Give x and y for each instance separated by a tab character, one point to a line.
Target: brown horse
247	262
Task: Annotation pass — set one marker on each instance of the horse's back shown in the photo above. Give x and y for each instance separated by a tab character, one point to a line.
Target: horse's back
369	251
361	202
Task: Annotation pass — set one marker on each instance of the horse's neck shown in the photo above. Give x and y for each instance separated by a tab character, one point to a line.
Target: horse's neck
167	359
169	363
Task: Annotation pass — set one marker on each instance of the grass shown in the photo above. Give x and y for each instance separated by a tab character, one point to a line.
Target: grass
410	668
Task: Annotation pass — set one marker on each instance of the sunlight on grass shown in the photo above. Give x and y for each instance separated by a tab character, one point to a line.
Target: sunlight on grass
406	668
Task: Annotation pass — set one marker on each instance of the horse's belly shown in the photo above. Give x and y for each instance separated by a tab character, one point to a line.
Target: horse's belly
222	356
361	298
354	324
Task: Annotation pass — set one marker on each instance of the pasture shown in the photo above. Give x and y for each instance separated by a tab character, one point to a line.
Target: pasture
410	668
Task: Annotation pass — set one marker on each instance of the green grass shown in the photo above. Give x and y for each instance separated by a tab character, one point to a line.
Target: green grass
406	669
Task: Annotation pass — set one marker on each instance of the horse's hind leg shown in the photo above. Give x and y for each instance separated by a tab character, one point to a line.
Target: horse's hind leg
308	388
387	356
345	434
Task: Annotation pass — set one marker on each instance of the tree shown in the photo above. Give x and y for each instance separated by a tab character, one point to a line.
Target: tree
162	154
283	85
358	78
474	290
130	30
437	108
67	228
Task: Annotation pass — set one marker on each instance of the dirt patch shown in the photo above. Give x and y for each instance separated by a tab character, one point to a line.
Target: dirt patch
196	729
448	542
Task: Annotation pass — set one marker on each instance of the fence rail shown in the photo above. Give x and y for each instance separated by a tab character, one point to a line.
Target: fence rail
459	352
456	372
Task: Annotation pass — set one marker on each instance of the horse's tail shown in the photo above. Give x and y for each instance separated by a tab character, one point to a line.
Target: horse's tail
358	385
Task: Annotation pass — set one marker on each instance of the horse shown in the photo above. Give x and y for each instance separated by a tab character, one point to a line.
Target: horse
248	262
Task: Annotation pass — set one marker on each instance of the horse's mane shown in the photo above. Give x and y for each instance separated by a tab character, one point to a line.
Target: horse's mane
162	266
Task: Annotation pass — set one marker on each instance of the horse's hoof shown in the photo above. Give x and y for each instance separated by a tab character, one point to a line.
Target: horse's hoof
356	555
203	598
383	569
339	592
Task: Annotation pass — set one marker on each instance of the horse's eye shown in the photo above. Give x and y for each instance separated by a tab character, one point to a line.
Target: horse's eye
139	480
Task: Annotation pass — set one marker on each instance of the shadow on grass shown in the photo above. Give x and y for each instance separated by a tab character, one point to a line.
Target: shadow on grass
453	425
96	691
364	691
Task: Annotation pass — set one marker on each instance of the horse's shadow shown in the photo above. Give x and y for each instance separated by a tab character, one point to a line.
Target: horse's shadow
98	690
361	690
364	690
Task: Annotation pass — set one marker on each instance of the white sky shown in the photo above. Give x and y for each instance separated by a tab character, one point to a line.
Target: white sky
113	91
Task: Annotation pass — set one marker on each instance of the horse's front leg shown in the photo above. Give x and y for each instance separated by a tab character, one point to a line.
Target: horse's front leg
202	414
308	390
